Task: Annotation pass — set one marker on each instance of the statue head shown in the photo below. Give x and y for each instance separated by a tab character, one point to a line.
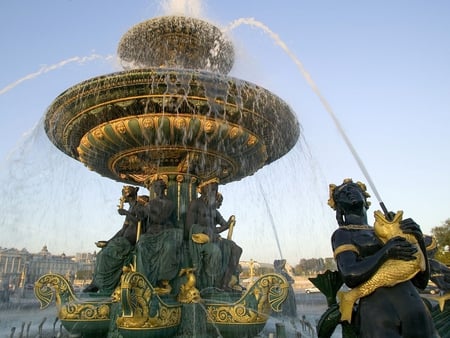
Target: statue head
157	183
129	191
213	182
279	264
143	199
208	190
431	245
350	202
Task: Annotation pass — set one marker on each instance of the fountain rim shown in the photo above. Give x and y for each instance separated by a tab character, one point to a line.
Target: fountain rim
73	93
79	110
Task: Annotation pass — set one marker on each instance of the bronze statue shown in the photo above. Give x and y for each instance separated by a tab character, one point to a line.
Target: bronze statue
439	272
159	246
289	307
231	252
118	251
215	259
391	272
396	311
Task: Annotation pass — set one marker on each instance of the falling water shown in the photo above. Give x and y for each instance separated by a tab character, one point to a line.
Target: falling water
191	8
34	170
272	221
312	84
33	161
46	69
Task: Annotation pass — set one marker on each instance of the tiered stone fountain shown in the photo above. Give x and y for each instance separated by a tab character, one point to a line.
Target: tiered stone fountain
174	112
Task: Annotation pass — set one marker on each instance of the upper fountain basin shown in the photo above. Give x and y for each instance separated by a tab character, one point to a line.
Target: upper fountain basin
176	42
130	124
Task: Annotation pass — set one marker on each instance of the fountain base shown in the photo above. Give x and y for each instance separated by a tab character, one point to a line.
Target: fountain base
136	310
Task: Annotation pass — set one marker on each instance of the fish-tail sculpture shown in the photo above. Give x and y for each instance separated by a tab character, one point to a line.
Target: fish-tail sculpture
392	272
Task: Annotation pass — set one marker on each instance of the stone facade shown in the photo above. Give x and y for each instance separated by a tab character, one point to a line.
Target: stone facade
19	268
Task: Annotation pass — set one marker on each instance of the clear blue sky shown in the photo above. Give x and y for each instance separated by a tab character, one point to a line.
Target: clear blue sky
383	67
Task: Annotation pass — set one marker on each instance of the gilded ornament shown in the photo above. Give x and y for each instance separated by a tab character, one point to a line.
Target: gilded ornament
391	272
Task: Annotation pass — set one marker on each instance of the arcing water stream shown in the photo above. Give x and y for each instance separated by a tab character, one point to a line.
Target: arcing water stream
312	84
46	69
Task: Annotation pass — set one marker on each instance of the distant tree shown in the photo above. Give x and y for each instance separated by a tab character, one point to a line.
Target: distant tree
313	266
330	264
298	270
442	235
301	269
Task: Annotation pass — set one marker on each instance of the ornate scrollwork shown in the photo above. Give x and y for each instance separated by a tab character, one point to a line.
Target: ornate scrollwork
69	306
142	307
85	311
63	290
267	293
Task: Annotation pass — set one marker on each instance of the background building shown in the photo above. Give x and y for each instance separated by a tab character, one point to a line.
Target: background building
20	269
13	265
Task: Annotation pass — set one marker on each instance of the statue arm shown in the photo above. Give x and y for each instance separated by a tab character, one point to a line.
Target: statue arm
143	217
224	225
355	268
355	271
131	215
440	274
408	226
421	279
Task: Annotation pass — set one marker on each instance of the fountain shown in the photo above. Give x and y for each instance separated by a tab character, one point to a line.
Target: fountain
174	115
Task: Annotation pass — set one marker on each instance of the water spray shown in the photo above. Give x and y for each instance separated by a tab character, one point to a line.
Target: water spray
46	69
348	143
358	159
312	84
272	221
